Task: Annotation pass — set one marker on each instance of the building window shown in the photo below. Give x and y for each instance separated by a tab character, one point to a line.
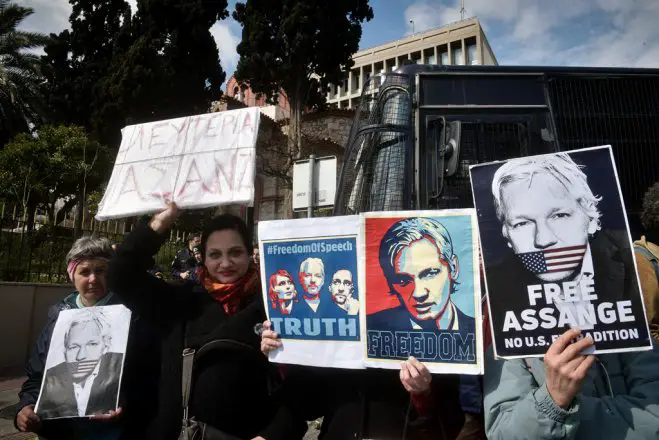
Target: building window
430	59
457	56
344	84
443	58
472	54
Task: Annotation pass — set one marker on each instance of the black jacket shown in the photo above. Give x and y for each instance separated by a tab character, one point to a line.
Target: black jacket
183	261
230	389
59	400
371	404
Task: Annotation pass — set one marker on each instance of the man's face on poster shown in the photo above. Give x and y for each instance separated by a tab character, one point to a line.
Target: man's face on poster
543	215
284	287
422	280
312	278
84	348
341	286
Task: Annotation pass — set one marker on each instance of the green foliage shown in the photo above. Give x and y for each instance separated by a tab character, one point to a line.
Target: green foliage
300	46
59	162
79	58
113	69
20	73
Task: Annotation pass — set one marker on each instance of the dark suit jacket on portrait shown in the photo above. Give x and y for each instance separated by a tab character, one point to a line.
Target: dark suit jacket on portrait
614	277
58	398
398	319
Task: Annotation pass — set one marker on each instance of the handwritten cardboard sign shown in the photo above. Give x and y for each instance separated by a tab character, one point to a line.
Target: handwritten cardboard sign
196	161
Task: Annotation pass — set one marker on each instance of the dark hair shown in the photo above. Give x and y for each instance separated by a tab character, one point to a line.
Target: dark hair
650	214
222	222
192	236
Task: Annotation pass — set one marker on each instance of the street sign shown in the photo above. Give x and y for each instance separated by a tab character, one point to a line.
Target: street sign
323	183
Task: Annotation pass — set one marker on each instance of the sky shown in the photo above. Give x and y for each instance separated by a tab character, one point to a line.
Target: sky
615	33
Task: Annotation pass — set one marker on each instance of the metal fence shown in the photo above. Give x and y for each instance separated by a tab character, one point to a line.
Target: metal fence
38	255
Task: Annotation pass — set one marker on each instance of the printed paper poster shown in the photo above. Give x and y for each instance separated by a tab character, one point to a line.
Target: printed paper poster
558	253
421	280
85	363
310	289
197	161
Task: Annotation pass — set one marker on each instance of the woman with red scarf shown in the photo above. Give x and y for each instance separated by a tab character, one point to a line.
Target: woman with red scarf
230	387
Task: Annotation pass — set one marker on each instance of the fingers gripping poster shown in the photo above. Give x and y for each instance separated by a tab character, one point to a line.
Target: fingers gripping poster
85	363
421	279
558	253
197	161
310	289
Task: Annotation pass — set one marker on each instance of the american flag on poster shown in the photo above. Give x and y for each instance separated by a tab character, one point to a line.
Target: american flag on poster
553	260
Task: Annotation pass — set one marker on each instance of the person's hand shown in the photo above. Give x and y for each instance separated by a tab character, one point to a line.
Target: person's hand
109	416
185	275
162	221
269	339
566	367
27	420
258	438
414	376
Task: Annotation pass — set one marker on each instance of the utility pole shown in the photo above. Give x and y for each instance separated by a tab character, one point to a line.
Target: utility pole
462	9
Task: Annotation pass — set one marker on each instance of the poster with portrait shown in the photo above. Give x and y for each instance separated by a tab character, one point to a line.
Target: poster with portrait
558	253
310	289
421	282
84	363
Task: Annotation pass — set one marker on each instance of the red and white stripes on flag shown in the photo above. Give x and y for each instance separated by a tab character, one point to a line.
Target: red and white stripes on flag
86	367
553	260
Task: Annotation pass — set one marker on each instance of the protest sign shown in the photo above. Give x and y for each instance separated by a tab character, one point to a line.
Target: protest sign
310	279
86	353
420	278
558	253
196	161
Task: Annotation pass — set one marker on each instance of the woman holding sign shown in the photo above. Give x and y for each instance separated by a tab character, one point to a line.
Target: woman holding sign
87	264
204	335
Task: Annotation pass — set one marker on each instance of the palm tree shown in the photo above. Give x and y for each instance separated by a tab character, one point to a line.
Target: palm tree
20	72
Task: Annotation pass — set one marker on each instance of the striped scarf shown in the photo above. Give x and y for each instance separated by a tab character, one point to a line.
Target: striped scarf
231	295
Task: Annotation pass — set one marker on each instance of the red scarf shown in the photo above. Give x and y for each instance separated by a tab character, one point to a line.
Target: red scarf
231	295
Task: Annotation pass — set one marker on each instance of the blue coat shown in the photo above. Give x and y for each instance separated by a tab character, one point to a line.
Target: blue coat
619	400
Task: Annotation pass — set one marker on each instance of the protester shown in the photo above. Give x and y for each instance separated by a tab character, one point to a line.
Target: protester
256	256
229	388
379	404
87	265
569	395
196	252
647	258
184	263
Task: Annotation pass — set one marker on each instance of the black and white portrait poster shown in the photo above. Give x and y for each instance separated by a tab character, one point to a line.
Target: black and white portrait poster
558	253
85	363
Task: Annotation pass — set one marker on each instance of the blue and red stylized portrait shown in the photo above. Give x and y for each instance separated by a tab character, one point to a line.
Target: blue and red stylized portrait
312	288
420	284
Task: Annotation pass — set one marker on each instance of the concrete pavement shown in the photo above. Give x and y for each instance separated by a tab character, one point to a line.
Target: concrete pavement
8	399
9	388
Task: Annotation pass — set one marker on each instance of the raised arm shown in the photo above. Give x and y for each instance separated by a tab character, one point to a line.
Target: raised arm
129	276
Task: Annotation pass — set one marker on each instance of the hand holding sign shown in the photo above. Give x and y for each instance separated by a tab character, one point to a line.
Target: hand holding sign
27	420
162	221
269	339
415	376
567	367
